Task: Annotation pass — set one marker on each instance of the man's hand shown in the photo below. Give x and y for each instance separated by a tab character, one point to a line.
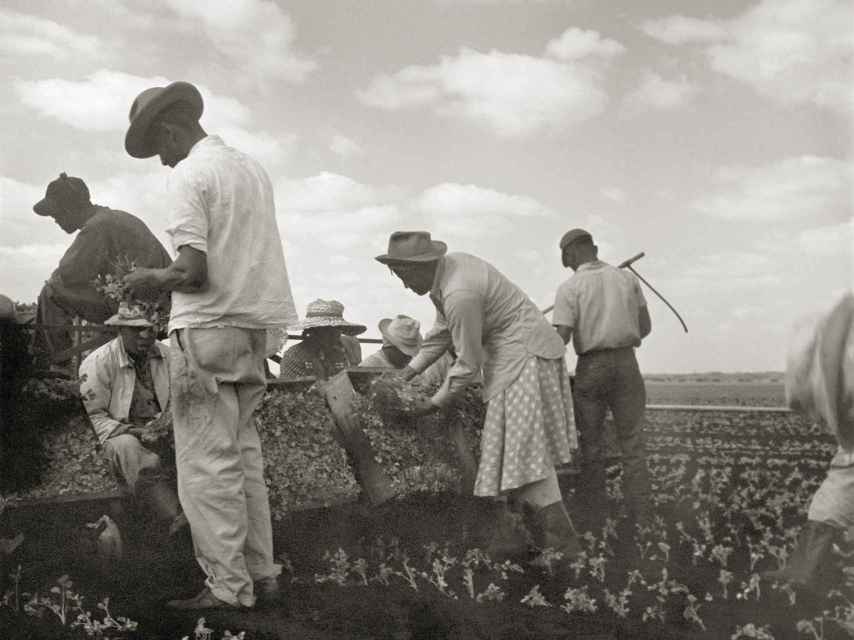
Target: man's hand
142	278
423	407
187	274
120	430
137	432
407	373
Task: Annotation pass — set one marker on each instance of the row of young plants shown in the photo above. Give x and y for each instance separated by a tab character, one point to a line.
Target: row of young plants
724	516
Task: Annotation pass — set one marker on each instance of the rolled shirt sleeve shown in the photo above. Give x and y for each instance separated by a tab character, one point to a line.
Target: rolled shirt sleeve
465	319
188	218
566	306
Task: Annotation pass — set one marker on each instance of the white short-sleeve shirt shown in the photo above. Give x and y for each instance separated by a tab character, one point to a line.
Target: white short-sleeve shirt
601	304
221	202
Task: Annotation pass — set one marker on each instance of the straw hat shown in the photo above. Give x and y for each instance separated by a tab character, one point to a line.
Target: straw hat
329	313
402	332
148	104
412	246
129	316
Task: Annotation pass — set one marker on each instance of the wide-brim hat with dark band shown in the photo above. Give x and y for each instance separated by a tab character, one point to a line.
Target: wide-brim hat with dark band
574	235
402	332
62	194
328	313
405	247
130	316
151	102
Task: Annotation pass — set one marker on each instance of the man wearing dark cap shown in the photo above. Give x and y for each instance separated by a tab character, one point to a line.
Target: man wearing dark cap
105	235
602	309
230	291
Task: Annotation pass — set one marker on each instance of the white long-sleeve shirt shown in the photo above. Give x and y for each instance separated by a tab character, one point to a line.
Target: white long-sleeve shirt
107	379
493	326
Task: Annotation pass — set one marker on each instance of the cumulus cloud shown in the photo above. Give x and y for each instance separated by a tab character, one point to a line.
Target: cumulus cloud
574	44
793	51
817	188
467	201
335	211
18	219
330	192
344	147
101	102
27	35
511	94
256	35
684	30
655	92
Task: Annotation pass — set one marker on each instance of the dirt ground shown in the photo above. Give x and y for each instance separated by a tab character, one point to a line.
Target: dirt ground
154	572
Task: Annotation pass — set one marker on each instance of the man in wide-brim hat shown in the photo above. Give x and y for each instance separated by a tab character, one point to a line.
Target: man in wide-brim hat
496	330
124	385
230	292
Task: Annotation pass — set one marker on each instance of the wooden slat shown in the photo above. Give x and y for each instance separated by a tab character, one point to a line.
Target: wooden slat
67	354
716	407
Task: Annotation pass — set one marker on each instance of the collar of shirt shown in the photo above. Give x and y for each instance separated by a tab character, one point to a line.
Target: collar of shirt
209	140
435	289
125	360
590	266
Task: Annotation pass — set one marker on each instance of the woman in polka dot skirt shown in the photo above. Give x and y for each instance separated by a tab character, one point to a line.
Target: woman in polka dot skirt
497	331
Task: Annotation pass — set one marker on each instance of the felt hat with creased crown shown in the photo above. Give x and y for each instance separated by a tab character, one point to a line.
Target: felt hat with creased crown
412	246
148	104
329	313
402	332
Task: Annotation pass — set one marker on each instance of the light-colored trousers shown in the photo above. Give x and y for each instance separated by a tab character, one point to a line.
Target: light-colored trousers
132	462
218	380
833	503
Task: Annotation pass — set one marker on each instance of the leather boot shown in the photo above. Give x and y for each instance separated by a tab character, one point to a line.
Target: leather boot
161	499
553	529
510	536
810	564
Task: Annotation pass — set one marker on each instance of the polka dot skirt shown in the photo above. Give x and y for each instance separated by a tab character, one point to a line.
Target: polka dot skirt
528	430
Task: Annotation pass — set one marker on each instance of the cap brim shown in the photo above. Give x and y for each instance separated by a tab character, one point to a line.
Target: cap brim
46	207
115	322
137	142
439	249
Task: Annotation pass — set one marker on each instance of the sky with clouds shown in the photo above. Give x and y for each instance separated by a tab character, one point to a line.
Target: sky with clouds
715	137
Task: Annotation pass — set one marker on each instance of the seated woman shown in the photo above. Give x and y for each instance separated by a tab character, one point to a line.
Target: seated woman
401	341
125	386
327	346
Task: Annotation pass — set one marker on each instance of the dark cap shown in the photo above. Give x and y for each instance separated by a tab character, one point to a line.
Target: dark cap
574	235
63	193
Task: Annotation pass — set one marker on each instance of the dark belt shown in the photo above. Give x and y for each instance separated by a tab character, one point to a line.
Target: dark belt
593	352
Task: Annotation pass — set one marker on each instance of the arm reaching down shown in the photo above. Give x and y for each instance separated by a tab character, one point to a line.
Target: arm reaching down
187	274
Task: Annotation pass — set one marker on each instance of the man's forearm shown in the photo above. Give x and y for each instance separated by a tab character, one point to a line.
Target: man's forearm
187	274
171	278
